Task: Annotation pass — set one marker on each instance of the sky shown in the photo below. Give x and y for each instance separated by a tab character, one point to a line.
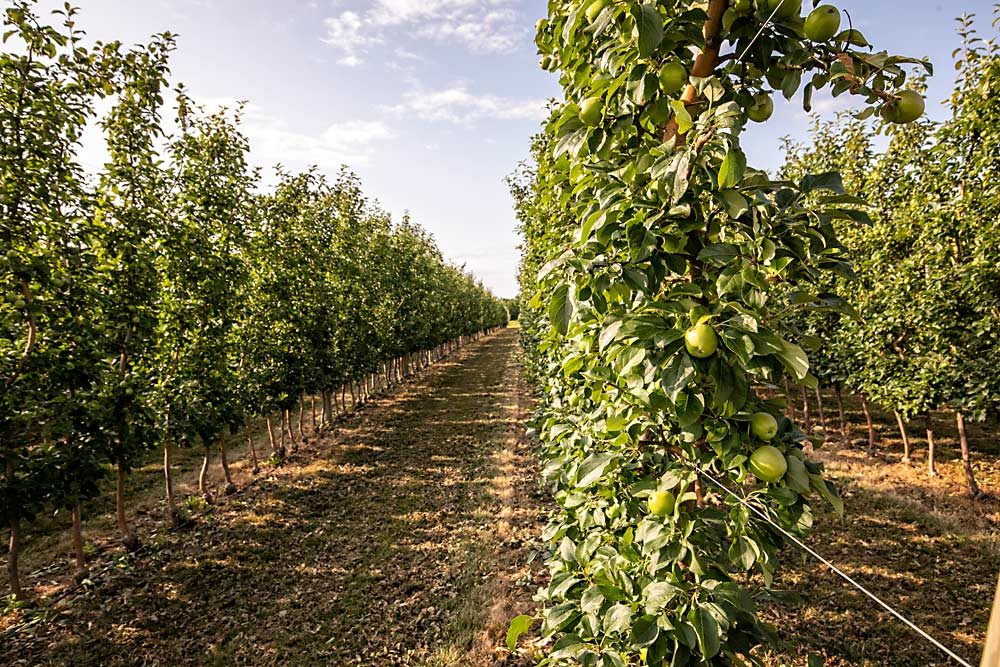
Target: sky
433	102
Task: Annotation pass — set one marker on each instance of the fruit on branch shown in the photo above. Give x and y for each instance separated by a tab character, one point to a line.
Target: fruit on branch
822	23
701	341
764	425
908	107
786	9
591	111
673	77
595	9
661	503
761	108
768	464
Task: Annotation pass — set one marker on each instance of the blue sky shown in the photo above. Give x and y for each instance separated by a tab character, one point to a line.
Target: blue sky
431	102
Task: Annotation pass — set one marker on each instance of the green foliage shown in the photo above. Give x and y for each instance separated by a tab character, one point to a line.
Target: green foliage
641	225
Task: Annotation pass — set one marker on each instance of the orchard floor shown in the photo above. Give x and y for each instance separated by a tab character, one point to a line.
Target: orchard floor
407	536
401	538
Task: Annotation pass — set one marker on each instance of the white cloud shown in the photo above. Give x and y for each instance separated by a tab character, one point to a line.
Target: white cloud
350	142
481	26
456	104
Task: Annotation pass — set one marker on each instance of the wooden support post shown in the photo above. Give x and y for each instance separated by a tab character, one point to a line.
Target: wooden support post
991	650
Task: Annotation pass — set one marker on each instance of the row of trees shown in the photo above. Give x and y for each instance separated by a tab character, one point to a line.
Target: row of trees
925	334
168	300
665	279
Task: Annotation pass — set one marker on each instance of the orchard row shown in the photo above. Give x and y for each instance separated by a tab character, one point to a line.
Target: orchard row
664	280
169	300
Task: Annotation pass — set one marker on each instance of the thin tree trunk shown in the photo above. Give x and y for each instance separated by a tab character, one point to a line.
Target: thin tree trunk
931	469
806	417
904	435
970	476
13	551
790	402
282	433
230	484
253	453
327	417
129	538
78	555
840	410
270	438
822	414
313	402
203	474
168	481
870	424
302	412
354	397
288	427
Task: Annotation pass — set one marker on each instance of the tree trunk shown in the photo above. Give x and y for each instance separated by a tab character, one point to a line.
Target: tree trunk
129	538
904	435
354	398
203	474
313	405
870	424
287	422
931	469
230	485
253	453
168	481
822	414
806	417
13	551
970	476
78	555
840	410
790	402
327	417
302	413
282	440
270	438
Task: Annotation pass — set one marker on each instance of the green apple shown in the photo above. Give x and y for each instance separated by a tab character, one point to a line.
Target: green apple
768	464
743	6
595	9
906	109
19	303
661	503
786	9
591	111
673	77
701	341
764	425
761	108
822	23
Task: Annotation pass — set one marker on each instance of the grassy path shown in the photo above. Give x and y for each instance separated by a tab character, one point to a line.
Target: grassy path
398	540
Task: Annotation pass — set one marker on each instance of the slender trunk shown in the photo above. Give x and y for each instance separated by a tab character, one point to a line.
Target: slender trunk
81	558
822	414
904	435
343	398
354	397
806	418
313	402
931	469
870	424
129	539
230	485
302	413
281	433
270	436
287	422
253	453
790	402
203	475
13	551
970	476
168	481
840	410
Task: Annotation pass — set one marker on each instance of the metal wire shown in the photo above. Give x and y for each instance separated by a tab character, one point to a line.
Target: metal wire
913	626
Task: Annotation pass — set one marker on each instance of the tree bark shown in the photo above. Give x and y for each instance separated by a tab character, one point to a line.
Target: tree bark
931	469
840	410
822	414
302	412
806	417
230	485
168	481
271	440
904	435
14	546
203	474
78	555
789	400
253	452
870	424
129	538
313	405
970	476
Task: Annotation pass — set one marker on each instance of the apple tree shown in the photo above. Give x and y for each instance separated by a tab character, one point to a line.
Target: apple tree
669	267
